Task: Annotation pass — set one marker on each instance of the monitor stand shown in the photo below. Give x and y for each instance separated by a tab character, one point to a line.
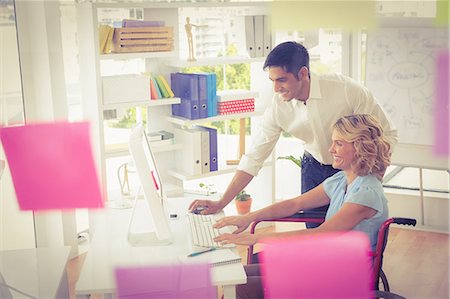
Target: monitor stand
142	239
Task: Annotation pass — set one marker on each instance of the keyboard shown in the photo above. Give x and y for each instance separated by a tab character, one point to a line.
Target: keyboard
202	231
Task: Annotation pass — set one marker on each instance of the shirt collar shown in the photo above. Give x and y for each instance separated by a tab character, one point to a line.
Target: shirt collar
314	91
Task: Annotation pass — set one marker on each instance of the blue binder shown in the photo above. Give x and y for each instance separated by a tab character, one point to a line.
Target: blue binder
202	95
185	86
212	95
211	92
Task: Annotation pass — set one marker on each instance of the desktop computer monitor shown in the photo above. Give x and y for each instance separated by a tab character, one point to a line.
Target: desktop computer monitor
152	187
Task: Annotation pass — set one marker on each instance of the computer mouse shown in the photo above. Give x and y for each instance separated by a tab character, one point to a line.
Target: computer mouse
198	210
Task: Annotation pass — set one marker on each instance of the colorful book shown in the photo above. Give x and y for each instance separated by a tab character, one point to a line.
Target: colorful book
153	92
155	84
162	88
166	85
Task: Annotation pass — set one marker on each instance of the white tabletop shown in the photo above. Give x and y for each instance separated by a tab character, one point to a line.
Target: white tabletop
37	272
110	248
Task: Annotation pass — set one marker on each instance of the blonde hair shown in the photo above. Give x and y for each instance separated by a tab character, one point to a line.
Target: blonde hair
373	150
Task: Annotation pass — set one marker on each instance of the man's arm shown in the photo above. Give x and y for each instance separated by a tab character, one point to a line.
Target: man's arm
240	180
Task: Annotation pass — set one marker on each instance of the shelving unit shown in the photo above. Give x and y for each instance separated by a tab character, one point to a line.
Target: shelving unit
146	103
223	169
192	122
158	112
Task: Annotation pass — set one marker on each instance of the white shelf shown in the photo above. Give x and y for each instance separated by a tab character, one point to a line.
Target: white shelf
186	177
138	55
148	103
212	61
121	150
189	122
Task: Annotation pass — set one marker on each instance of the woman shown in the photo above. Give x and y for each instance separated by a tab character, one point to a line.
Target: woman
355	194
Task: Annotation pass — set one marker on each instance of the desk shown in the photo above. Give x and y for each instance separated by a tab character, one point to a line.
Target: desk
38	272
109	248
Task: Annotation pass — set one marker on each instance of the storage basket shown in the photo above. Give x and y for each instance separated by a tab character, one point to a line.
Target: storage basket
143	39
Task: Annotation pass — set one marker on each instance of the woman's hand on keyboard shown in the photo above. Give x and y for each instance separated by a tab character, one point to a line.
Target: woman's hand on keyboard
241	222
206	206
239	239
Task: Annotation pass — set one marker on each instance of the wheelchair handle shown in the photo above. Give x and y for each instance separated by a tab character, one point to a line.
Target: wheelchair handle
405	221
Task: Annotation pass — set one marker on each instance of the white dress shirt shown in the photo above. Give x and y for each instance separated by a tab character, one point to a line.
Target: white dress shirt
331	97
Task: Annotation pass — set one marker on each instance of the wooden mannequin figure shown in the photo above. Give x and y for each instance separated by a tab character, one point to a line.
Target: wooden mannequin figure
188	28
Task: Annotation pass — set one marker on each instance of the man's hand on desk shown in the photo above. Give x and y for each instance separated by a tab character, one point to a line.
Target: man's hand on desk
205	207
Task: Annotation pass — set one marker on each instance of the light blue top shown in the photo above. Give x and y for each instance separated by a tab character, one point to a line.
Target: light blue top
364	190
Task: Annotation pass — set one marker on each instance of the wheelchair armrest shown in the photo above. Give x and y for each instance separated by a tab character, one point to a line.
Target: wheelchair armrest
301	216
405	221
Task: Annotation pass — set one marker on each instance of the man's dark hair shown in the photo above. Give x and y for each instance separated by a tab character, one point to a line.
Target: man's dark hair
291	56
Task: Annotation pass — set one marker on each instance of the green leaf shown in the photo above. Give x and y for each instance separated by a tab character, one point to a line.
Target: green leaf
297	162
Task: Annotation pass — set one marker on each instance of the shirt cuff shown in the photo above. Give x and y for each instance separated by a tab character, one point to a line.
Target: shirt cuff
249	166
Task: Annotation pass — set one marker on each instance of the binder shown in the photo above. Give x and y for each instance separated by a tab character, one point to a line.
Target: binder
202	95
259	36
267	35
211	90
186	109
213	159
189	158
185	86
250	35
205	152
212	95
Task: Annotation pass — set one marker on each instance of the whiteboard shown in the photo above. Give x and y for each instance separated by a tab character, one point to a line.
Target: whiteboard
400	72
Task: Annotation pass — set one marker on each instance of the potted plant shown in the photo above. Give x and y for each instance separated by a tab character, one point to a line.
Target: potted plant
243	202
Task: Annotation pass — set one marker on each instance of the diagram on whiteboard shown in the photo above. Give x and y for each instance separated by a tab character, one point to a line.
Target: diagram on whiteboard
400	73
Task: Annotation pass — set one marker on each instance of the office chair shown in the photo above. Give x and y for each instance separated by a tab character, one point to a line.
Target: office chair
319	217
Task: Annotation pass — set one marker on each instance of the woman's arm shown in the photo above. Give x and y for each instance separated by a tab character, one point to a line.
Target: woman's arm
345	219
311	199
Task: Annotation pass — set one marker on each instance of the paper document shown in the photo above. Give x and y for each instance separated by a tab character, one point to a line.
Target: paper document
217	257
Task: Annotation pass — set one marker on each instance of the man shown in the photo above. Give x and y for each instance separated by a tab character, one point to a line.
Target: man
306	106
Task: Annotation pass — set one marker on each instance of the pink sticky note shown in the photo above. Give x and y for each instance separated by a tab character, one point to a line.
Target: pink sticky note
442	103
187	281
52	166
331	265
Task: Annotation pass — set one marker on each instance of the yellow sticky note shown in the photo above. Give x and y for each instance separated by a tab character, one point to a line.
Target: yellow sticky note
314	14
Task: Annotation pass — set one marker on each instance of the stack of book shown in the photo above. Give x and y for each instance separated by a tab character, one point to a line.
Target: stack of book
105	37
235	101
197	93
159	88
160	138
